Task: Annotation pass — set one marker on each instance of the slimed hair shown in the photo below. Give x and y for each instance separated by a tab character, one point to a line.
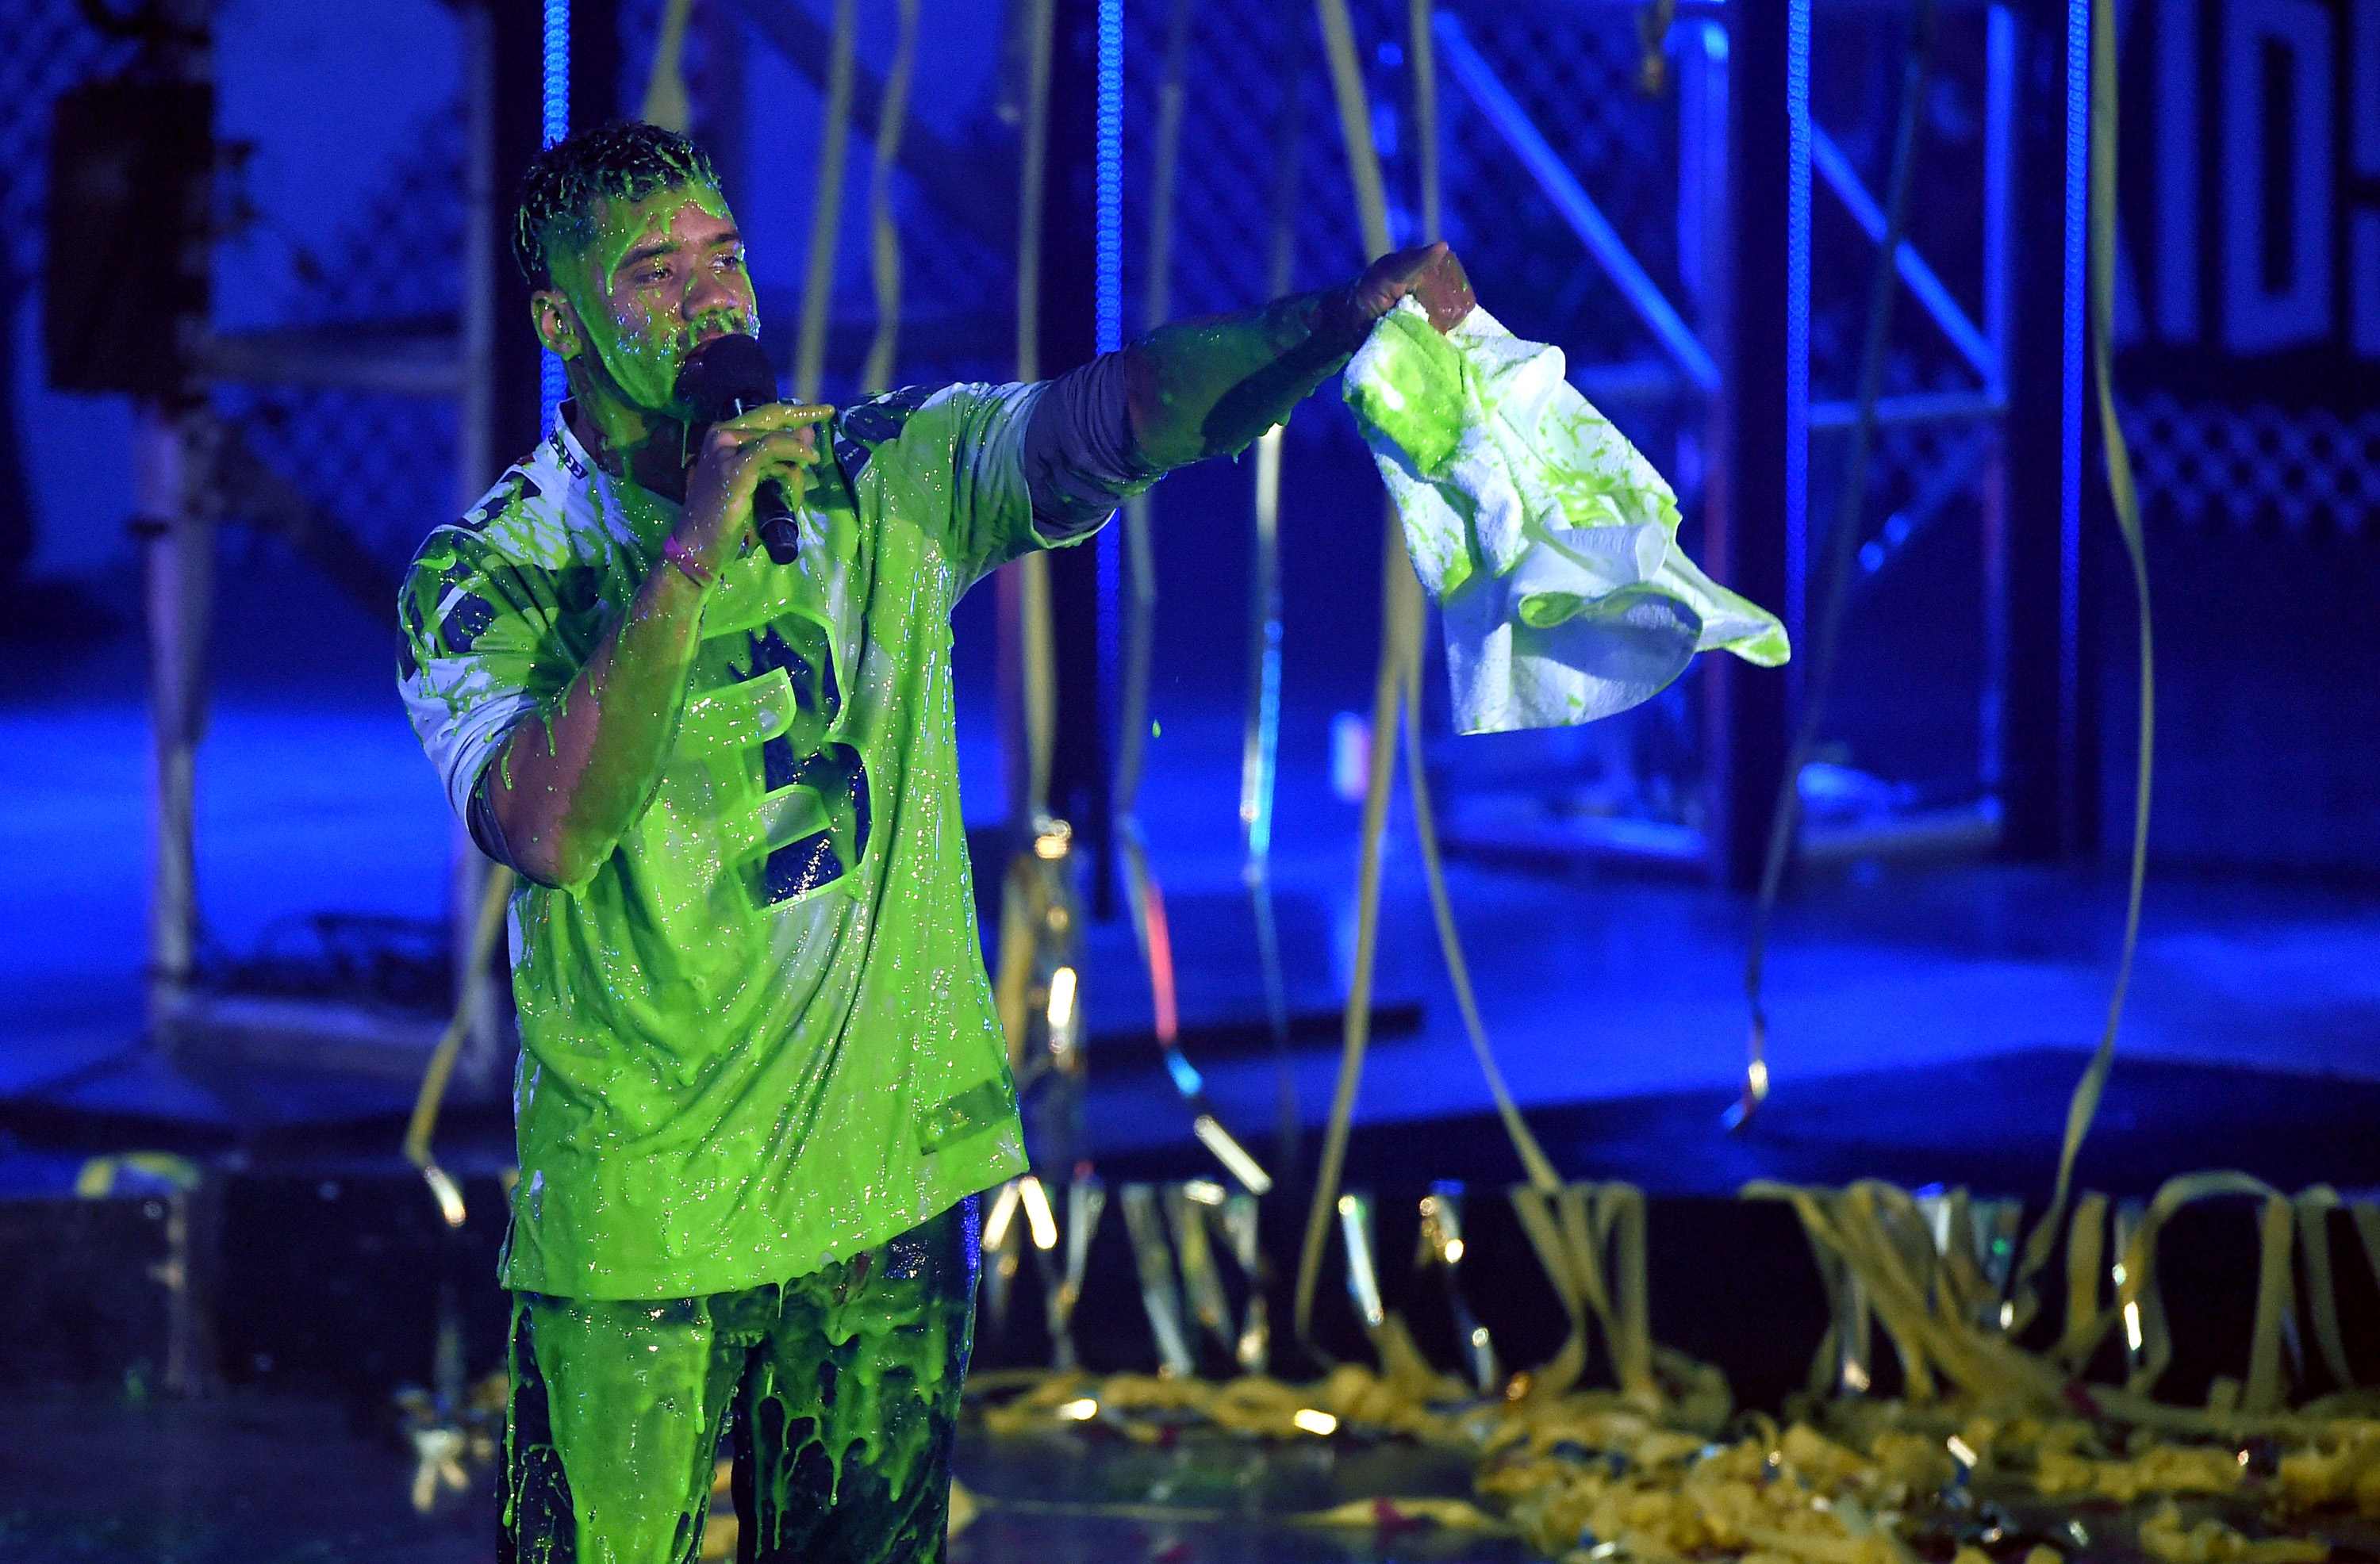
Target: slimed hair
626	159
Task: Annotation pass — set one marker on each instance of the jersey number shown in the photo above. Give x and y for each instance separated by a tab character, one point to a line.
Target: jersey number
831	774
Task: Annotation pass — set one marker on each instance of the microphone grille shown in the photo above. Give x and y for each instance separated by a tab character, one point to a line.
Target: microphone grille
721	373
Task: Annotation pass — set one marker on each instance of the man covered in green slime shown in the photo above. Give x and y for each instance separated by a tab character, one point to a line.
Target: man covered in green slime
762	1079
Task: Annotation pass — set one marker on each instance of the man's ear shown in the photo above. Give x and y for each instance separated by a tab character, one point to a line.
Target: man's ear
556	323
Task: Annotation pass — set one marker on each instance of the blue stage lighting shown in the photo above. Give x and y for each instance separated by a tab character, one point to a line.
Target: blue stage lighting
552	386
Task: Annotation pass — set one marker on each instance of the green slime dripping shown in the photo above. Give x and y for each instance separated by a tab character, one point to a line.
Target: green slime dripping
641	360
846	1383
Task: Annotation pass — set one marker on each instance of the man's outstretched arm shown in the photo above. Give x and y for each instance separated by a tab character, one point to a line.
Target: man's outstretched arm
1209	387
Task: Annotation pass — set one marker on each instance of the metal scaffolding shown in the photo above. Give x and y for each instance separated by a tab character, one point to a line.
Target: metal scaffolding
1711	377
192	469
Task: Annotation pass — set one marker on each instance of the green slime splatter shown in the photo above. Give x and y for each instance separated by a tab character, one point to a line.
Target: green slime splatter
846	1385
642	358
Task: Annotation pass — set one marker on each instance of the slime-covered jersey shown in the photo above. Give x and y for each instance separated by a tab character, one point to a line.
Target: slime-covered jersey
761	1037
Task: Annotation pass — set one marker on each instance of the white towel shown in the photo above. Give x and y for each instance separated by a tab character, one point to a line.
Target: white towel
1548	542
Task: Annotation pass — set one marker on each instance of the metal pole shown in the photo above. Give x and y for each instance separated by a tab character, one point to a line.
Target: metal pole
1999	207
2073	833
1797	331
1751	527
169	458
1706	250
474	462
1577	209
177	596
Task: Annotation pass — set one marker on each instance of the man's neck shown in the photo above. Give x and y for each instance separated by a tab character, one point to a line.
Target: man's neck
630	443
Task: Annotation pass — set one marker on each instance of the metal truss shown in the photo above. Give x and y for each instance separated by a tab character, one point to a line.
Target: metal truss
1697	352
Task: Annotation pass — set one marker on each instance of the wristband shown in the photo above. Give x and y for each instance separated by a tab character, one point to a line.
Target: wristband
693	569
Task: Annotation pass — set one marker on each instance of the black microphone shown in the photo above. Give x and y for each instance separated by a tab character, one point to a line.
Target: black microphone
726	378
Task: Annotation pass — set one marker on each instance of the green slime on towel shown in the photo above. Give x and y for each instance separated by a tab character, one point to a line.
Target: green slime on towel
1546	540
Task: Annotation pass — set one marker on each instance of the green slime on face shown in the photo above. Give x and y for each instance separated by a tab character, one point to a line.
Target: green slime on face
642	359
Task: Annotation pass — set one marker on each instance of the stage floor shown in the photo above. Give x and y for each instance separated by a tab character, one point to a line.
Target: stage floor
1926	1024
248	1479
1916	1014
261	1480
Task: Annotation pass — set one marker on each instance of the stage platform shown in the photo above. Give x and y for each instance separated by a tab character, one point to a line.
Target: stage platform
1927	1021
244	1479
1920	1011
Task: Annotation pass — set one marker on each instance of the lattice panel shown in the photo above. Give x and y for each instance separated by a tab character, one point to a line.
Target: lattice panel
2209	461
383	466
1573	71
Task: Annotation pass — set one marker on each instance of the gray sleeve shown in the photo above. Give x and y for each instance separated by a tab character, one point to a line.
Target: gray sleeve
1079	454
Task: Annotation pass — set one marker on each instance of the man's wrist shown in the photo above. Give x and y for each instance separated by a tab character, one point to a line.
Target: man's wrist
1340	323
676	556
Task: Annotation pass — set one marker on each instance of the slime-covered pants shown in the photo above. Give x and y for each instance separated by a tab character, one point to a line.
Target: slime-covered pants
843	1387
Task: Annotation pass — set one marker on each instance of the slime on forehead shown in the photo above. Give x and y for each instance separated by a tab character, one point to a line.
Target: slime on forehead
642	362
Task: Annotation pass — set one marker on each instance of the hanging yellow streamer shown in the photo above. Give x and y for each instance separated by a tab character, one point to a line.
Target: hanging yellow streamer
1041	691
1140	605
1260	735
2084	1105
489	927
1371	207
1038	691
826	210
1423	42
885	231
1396	691
666	102
1573	1227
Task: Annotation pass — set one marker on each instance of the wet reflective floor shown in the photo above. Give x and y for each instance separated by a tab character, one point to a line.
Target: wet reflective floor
1066	1498
245	1479
259	1480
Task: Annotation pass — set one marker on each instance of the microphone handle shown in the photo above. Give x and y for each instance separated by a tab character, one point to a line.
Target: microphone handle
780	531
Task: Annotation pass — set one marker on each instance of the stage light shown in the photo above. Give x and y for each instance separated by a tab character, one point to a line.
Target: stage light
1314	1422
1107	309
450	1198
1079	1412
1062	1003
1204	1191
556	52
1186	1079
1036	1213
1004	1211
1229	1151
554	383
1363	1281
1454	1251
